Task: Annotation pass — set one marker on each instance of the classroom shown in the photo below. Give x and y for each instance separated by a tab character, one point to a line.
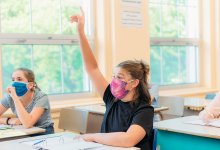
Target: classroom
110	74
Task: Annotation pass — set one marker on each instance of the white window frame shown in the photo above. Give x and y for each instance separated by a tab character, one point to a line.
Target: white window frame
31	39
181	42
50	39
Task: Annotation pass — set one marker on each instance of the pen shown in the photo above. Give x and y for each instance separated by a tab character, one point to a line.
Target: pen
39	142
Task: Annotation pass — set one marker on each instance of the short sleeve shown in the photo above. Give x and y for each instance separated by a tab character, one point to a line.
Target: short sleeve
5	101
42	102
144	117
108	97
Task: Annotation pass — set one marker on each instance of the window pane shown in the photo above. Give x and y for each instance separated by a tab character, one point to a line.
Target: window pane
174	18
73	73
69	7
14	56
15	16
46	16
47	67
174	64
58	69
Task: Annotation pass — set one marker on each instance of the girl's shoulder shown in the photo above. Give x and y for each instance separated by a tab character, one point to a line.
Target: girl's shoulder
38	94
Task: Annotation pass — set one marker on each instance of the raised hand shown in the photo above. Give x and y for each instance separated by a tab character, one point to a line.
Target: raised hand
79	19
11	91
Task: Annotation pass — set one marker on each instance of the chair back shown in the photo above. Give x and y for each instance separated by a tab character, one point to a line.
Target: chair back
81	121
175	105
73	119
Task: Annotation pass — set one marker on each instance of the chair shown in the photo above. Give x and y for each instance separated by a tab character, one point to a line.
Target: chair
81	121
154	91
153	139
175	105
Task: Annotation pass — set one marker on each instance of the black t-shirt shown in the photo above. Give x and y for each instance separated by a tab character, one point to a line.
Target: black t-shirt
119	116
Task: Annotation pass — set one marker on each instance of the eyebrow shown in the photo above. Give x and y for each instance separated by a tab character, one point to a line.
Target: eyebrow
17	78
121	74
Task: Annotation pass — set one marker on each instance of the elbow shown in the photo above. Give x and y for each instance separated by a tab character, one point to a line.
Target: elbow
127	145
129	142
27	125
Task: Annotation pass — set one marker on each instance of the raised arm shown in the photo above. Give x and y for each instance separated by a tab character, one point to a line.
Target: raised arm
89	60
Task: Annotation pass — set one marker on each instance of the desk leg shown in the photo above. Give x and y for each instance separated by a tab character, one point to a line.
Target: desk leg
177	141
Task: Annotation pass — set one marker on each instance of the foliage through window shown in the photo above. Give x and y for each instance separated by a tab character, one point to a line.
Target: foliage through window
38	35
174	52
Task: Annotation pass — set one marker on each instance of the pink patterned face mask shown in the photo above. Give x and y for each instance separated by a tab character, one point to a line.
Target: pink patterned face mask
117	88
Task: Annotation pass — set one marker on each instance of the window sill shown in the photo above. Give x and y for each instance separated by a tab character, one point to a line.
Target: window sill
56	105
187	92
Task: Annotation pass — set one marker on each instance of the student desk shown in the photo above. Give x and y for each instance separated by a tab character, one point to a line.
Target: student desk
18	132
174	134
57	141
196	104
85	119
100	109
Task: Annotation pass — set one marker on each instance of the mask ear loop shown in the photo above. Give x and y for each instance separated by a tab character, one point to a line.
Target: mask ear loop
131	82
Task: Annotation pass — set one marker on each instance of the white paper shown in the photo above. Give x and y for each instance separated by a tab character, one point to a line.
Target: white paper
4	127
214	122
76	146
10	133
61	142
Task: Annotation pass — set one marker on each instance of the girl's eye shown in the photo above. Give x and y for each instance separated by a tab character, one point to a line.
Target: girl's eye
121	78
19	79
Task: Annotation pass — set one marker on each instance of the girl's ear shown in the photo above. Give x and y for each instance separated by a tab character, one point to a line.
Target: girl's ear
135	83
31	85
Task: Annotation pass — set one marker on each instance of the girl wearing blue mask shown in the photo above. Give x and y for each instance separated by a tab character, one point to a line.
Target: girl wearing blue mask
29	104
128	120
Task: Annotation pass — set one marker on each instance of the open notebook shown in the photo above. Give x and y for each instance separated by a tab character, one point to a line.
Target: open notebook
5	127
214	122
61	142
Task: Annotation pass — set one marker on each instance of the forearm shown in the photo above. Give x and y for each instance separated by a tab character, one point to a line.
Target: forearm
120	139
23	115
3	120
88	57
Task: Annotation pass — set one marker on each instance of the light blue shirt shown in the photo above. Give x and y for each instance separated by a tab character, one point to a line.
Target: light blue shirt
40	99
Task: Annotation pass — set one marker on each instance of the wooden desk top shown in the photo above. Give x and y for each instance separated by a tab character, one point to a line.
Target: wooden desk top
100	109
162	108
195	103
18	131
29	131
178	125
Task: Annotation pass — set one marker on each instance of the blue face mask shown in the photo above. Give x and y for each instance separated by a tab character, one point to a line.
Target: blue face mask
20	88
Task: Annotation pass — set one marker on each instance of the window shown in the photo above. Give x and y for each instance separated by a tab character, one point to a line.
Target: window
38	35
174	55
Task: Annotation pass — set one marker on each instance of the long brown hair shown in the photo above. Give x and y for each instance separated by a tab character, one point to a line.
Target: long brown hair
138	70
29	74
